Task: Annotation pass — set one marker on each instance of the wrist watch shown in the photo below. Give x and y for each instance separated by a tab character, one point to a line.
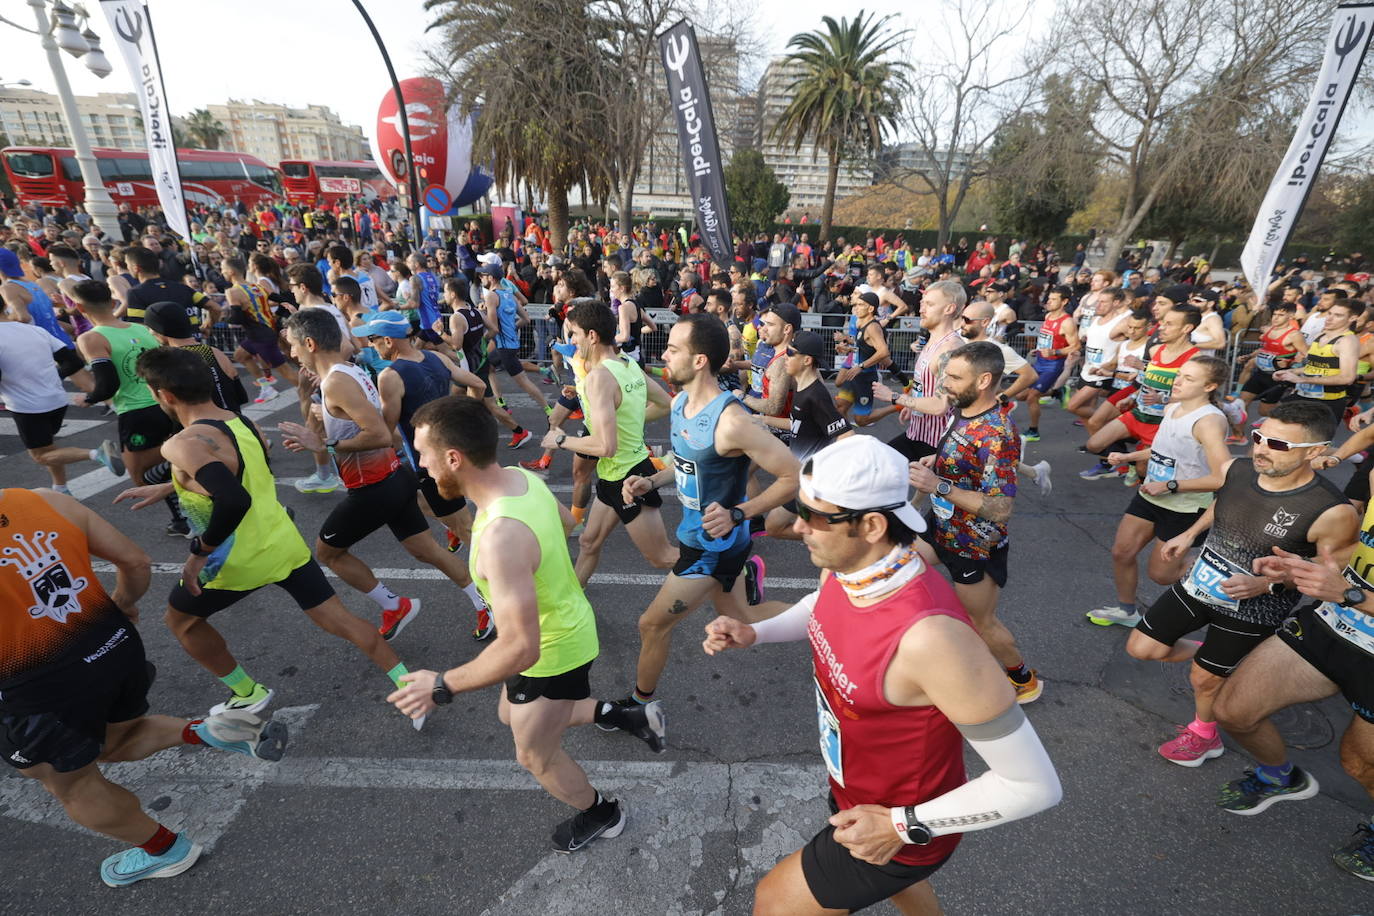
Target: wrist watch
558	442
198	547
909	828
1352	596
441	695
330	445
943	487
737	516
1172	486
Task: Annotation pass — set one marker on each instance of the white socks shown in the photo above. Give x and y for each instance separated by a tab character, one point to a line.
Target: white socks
385	597
473	595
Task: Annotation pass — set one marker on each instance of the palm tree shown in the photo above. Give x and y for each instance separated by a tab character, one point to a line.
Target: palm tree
205	129
846	97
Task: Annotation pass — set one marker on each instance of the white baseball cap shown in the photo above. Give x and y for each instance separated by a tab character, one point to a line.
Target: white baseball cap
861	472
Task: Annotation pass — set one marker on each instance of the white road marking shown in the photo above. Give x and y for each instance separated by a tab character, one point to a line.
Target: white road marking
69	427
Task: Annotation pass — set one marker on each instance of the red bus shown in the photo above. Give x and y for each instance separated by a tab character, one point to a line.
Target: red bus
49	176
310	182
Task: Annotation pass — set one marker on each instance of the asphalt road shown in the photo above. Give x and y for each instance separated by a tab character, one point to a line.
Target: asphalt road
366	815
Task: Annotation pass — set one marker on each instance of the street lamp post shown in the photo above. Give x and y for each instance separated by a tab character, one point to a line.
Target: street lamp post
99	205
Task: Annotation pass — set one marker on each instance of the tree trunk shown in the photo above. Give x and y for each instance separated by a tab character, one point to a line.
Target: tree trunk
1126	227
1216	249
832	176
558	217
1174	244
945	220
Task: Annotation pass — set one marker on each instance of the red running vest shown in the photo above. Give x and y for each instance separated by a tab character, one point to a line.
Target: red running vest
878	753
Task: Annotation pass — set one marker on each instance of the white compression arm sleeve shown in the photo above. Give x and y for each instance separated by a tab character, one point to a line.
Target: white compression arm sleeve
1020	780
790	625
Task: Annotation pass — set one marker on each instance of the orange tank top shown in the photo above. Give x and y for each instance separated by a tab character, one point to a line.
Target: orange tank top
53	609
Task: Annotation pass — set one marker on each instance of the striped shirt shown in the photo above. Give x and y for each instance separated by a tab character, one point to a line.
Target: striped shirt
924	427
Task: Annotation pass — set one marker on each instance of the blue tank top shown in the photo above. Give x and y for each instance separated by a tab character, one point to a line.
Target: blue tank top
428	305
40	307
507	335
426	380
704	476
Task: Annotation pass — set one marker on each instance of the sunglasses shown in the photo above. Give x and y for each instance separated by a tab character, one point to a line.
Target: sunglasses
967	320
808	513
1281	445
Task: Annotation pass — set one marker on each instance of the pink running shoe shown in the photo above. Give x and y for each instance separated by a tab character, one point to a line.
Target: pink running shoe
1190	749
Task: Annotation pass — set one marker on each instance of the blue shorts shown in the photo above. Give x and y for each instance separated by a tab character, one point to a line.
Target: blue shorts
724	567
859	389
1047	372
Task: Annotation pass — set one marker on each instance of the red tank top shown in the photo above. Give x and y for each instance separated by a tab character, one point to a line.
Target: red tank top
878	753
786	409
1051	336
1273	343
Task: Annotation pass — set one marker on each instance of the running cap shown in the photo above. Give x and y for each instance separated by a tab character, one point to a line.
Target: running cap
809	343
1178	293
492	270
168	319
9	263
383	324
870	298
862	472
789	314
489	257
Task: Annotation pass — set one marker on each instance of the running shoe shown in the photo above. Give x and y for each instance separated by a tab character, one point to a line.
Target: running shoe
317	484
1097	471
1078	423
625	703
244	733
577	415
455	543
1030	691
486	627
757	529
255	702
538	465
754	570
109	457
548	409
1131	478
520	438
178	528
649	724
1046	400
604	820
1064	397
393	622
1251	795
547	375
1189	749
1113	614
133	865
1032	435
1042	478
265	394
1357	856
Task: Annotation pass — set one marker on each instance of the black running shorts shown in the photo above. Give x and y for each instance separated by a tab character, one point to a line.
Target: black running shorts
911	449
611	492
1177	613
507	360
306	584
839	881
1343	663
38	430
145	428
970	570
570	685
390	501
1168	523
71	735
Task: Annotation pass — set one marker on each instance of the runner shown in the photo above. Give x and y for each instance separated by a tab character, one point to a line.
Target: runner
1187	460
1058	339
548	639
467	334
712	447
146	267
1332	364
971	482
1131	358
1281	345
900	676
340	260
1273	504
307	284
111	349
244	539
380	490
413	378
855	383
616	396
1321	650
249	307
74	680
32	366
28	302
171	328
505	315
1102	337
924	409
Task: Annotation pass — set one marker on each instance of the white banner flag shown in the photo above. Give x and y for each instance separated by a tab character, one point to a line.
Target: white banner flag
133	32
1297	174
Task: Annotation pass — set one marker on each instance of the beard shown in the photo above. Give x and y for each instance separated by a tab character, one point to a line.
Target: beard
446	482
962	399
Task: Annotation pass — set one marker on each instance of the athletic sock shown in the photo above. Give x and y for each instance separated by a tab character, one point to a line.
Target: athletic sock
324	469
473	595
61	488
1019	673
158	473
518	431
188	734
579	513
160	842
1281	775
1128	607
174	507
385	597
397	673
641	696
1203	729
239	682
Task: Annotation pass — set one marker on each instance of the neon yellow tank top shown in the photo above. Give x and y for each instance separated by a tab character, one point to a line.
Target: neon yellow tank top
567	625
1322	362
265	547
629	418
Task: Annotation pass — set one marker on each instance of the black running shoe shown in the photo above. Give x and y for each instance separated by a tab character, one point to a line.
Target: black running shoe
623	703
179	528
604	820
649	724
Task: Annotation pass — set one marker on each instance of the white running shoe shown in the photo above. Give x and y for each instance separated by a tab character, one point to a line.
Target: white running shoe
1042	478
266	393
1113	614
317	484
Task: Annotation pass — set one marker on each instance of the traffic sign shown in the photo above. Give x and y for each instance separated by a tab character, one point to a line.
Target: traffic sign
437	199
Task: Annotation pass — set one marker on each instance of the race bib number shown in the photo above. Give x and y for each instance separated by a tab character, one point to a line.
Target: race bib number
685	476
1161	467
1044	341
1309	390
1204	581
1265	361
1094	356
943	507
1350	624
832	748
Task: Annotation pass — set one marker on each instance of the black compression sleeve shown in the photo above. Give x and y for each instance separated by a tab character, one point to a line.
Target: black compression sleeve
106	381
238	391
230	500
69	362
